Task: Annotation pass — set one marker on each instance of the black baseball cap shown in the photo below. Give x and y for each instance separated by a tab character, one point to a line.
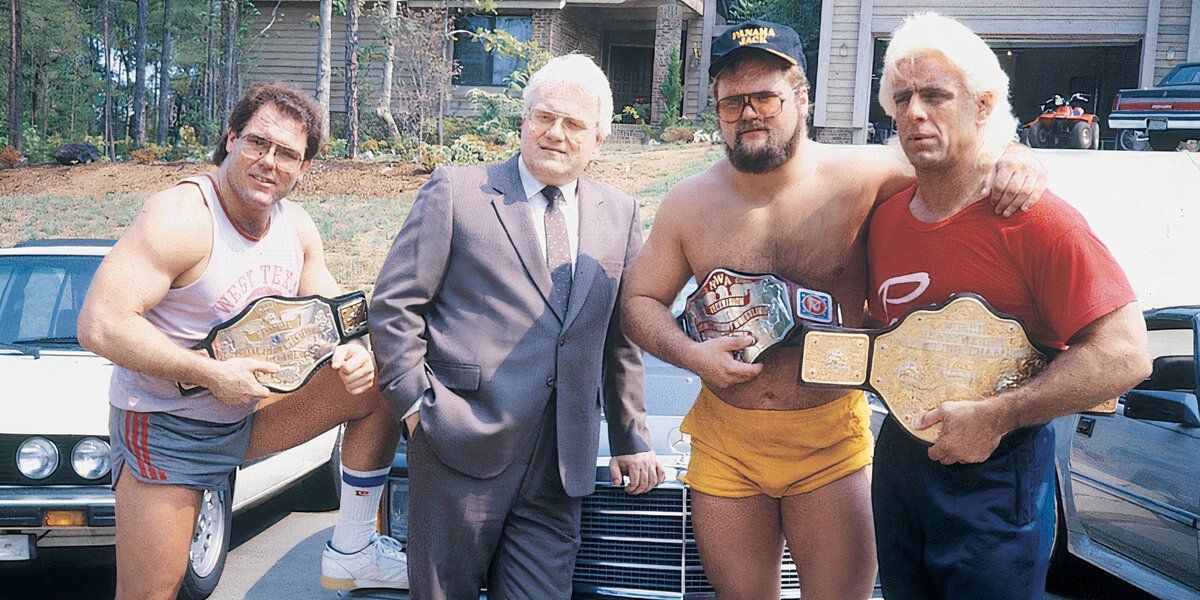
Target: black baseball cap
764	36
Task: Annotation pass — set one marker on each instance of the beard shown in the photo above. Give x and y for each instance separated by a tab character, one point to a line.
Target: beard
772	155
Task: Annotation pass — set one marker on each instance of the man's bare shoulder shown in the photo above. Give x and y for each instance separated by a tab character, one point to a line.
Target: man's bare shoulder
173	230
869	168
701	189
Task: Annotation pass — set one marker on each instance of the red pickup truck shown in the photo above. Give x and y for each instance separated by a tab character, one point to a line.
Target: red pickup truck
1168	113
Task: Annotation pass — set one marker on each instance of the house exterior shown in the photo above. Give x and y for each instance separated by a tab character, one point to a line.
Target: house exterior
1090	46
631	40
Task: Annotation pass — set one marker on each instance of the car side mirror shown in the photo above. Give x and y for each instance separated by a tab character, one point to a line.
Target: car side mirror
1168	407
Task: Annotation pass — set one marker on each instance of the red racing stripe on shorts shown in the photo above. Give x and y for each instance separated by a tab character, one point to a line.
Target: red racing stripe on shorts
155	474
131	441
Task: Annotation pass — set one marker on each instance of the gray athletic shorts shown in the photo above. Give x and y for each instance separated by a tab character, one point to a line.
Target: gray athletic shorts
166	449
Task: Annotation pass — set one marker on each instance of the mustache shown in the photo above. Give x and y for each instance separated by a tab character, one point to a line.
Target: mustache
744	126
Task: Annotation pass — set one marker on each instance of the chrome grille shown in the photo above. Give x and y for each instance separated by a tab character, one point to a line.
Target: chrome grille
643	546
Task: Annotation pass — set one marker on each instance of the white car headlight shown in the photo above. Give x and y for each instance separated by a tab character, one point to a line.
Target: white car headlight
37	458
90	458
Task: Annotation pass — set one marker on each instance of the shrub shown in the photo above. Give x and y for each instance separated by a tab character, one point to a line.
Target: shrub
672	90
679	133
9	155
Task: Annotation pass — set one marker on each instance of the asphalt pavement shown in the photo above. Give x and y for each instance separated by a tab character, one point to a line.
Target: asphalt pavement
277	556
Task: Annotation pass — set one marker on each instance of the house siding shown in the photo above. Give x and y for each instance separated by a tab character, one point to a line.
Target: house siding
1081	20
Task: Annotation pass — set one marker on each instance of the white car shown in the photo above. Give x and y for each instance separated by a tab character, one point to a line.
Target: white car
54	452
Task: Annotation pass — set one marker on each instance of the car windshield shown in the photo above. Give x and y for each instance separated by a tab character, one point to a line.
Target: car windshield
1189	75
40	298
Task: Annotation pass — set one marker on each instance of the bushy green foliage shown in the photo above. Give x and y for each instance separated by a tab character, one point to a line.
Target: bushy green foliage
500	112
672	90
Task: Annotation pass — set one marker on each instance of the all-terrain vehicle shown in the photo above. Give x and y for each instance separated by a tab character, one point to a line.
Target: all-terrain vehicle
1063	124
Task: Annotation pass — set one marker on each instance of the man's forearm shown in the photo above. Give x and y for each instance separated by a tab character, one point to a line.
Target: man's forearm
650	325
133	343
1078	379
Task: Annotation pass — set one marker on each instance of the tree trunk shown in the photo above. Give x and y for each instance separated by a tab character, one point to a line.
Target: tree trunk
384	110
16	83
232	9
164	77
324	40
210	64
352	79
109	150
139	83
441	107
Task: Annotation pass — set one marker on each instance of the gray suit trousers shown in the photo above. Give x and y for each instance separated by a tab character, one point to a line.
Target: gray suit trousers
516	534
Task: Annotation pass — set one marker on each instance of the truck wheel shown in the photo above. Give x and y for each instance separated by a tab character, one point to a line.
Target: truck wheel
1132	140
210	544
1081	136
1164	142
1095	127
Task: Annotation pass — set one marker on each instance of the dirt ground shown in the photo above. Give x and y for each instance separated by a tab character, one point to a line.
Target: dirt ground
357	205
630	168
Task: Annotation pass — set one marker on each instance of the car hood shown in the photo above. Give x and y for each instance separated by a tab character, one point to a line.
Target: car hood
59	393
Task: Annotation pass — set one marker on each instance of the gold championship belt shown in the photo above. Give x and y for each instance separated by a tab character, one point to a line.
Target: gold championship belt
961	349
298	334
764	306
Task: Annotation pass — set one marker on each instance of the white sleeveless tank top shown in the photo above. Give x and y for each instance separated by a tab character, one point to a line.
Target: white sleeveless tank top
239	271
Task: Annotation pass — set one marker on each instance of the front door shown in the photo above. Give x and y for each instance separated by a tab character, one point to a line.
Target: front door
631	73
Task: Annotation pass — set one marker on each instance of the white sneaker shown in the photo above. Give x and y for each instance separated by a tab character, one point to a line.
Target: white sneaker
382	564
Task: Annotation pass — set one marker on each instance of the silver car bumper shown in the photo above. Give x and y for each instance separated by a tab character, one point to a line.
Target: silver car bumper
23	511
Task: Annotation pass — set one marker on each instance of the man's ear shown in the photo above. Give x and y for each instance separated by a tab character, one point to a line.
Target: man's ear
984	106
230	139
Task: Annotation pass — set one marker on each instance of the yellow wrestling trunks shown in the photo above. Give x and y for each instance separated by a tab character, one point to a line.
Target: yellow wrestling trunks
737	453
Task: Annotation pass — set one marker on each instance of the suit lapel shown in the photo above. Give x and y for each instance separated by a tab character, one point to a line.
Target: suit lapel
591	240
513	210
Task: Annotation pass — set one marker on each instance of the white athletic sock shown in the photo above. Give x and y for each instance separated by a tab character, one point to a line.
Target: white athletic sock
361	491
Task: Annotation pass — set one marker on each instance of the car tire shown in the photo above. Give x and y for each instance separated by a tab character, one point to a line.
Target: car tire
1164	142
322	491
1132	140
1081	136
210	544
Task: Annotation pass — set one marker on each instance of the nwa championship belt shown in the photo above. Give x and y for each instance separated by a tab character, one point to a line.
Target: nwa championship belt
961	349
761	305
298	334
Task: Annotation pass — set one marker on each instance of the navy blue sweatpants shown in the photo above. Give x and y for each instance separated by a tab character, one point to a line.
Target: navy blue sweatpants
964	531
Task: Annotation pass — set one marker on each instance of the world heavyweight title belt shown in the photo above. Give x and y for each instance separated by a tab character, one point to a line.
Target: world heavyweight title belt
961	349
764	306
298	334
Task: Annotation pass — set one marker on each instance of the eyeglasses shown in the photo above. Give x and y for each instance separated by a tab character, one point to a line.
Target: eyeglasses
543	120
286	159
765	104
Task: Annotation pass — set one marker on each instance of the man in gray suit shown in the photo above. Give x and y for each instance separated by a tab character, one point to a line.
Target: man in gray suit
495	316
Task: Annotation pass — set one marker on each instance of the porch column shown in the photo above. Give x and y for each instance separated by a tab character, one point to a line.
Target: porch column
544	24
666	37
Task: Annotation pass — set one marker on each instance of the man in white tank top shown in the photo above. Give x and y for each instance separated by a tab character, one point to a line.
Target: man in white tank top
197	254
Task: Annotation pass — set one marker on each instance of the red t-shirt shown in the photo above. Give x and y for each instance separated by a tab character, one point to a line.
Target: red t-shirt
1044	266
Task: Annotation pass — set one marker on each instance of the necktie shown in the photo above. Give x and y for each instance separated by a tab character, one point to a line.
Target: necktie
558	250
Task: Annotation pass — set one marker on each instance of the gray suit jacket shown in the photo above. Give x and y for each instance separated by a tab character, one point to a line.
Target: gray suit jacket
461	308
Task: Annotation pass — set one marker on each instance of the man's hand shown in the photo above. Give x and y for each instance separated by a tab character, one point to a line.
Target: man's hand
1017	181
233	383
356	366
642	468
713	361
971	431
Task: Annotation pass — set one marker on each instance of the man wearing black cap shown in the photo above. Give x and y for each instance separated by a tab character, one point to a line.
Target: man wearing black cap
771	461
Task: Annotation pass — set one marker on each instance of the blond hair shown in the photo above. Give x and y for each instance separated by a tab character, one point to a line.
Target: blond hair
928	33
